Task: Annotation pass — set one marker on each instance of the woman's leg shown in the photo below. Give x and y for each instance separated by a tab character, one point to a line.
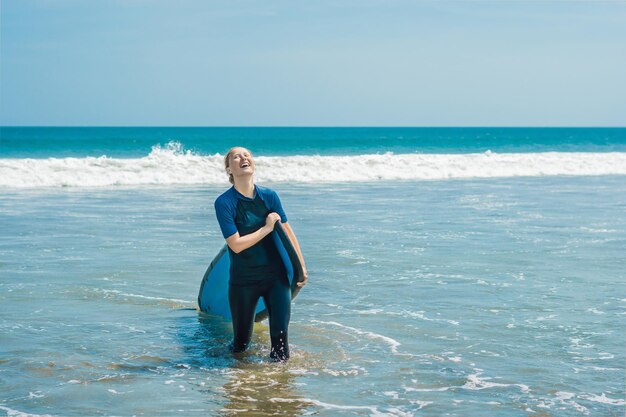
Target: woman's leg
278	302
242	300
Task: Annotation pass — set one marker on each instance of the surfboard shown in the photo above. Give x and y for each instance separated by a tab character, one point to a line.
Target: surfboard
213	294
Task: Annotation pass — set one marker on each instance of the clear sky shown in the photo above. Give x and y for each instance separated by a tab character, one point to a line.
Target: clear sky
313	63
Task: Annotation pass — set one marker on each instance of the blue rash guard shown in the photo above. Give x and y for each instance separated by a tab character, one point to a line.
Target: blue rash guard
238	213
257	271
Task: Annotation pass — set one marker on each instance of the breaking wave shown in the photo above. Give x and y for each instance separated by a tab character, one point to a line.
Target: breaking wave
172	165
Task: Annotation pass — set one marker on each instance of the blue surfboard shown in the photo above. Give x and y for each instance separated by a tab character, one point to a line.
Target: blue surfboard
213	294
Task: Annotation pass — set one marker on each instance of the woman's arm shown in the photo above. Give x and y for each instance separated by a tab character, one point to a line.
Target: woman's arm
239	243
296	245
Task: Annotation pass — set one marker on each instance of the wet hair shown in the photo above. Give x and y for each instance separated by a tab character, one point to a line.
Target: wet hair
227	161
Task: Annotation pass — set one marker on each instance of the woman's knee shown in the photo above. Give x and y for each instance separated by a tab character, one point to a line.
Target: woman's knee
280	313
242	305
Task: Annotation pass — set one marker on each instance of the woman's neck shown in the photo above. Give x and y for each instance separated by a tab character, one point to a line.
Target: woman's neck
245	186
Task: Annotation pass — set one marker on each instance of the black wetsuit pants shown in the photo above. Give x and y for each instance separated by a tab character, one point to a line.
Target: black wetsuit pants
243	299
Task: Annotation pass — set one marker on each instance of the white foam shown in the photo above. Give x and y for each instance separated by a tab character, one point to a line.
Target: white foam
373	410
172	165
421	404
393	394
393	344
322	404
421	315
566	398
475	383
145	297
564	395
15	413
602	369
441	389
603	399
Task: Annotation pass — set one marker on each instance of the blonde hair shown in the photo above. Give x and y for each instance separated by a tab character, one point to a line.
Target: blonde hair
227	161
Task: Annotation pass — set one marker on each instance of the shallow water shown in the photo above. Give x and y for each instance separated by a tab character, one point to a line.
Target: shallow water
469	297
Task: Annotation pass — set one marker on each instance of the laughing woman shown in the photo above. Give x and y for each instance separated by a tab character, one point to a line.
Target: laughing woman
247	214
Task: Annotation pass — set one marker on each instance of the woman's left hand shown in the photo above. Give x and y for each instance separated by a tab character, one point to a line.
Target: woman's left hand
306	277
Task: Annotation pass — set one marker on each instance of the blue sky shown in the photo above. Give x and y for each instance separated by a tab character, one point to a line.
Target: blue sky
313	63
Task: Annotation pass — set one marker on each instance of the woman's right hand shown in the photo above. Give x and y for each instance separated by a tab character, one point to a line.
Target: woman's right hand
271	220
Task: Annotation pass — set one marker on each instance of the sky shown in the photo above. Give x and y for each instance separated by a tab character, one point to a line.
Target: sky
312	63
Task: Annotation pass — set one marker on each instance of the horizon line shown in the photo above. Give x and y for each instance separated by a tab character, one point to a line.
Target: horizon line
321	127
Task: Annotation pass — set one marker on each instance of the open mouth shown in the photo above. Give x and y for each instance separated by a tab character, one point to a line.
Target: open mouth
245	165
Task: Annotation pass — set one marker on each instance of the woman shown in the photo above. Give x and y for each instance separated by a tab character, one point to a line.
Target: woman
247	214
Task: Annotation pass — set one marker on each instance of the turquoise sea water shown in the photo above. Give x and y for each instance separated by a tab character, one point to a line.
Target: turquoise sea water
45	142
500	296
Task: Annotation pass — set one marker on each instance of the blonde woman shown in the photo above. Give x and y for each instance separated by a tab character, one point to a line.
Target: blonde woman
247	213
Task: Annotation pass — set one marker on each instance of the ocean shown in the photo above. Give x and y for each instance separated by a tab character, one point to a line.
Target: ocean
452	272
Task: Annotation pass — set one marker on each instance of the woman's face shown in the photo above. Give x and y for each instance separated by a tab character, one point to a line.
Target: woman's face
241	162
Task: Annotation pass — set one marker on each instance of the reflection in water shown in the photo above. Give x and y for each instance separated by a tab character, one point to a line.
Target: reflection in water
255	386
262	389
